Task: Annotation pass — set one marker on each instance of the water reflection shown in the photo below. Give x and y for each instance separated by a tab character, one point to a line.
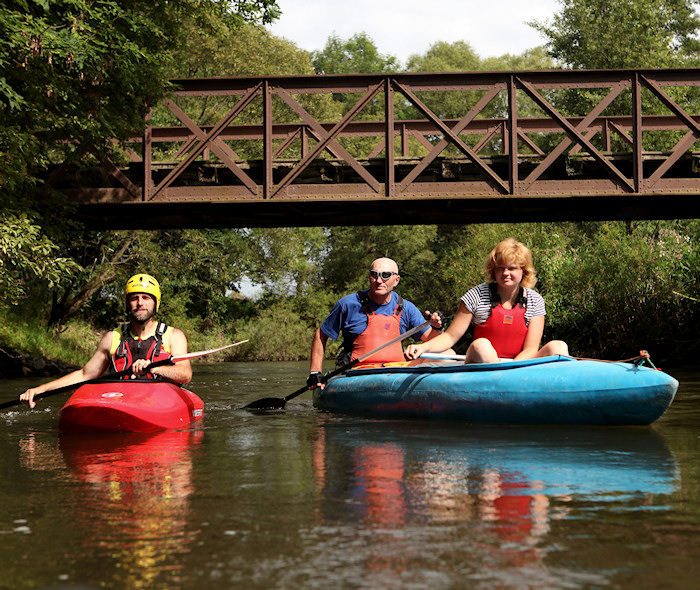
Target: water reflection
135	495
511	484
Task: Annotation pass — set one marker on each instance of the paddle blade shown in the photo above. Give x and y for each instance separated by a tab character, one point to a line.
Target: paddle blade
273	403
266	403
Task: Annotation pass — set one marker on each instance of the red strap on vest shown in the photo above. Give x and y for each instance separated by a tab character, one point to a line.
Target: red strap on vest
131	349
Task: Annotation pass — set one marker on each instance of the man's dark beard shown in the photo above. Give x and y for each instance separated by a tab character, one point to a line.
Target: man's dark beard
142	322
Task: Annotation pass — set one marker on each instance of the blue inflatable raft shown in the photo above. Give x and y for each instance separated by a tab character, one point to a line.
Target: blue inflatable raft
549	390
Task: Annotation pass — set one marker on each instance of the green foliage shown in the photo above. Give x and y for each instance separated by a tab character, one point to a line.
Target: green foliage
74	344
618	291
605	34
286	260
457	57
26	256
536	58
609	34
357	55
283	328
198	270
216	48
445	57
77	70
71	70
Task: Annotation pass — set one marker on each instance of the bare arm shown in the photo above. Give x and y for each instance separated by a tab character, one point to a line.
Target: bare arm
447	339
318	351
532	339
95	367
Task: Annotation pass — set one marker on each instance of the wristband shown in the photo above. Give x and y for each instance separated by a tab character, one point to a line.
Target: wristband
315	378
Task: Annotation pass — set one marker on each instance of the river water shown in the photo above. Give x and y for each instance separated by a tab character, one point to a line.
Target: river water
303	499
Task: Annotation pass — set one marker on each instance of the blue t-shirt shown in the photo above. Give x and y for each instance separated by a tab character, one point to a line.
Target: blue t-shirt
349	318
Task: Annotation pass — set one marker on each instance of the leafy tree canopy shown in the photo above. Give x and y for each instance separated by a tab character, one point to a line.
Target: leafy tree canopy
26	255
87	70
445	57
357	55
623	33
74	69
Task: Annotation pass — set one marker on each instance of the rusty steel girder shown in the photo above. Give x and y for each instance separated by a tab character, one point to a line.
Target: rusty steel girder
464	146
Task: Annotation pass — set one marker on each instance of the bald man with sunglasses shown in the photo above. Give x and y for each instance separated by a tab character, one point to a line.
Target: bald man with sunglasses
367	319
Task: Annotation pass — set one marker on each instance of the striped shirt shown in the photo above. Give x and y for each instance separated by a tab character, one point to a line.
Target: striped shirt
478	302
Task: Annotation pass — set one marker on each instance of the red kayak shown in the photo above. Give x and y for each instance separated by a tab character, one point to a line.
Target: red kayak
130	406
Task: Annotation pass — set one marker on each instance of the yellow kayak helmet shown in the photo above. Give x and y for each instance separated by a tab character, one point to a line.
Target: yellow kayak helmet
143	283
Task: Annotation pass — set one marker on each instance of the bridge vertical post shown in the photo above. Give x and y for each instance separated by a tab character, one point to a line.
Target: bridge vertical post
147	158
304	141
267	140
512	148
404	141
637	147
389	176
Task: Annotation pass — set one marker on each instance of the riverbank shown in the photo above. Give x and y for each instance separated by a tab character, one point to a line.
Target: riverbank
15	364
28	349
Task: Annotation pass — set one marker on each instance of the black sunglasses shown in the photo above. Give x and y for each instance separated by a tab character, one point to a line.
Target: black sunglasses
385	274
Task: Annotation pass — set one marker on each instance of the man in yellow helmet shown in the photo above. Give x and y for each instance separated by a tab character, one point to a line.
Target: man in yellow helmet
134	346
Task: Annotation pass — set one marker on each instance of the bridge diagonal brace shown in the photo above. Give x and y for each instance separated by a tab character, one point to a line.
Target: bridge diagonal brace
530	144
621	133
488	136
327	139
679	150
685	142
377	149
615	91
333	148
573	132
671	104
197	133
134	190
287	142
452	135
207	141
220	149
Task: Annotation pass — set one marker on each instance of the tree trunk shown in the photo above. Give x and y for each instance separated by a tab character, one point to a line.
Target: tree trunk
66	308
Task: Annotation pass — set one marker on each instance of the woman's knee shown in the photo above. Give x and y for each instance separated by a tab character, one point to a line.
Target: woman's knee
481	351
555	347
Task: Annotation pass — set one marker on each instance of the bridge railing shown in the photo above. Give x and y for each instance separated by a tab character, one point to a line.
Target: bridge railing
461	135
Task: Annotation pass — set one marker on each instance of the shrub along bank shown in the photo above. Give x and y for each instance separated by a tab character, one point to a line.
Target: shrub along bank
611	289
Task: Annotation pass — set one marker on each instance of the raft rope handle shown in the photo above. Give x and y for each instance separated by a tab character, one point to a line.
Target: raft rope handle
639	360
644	357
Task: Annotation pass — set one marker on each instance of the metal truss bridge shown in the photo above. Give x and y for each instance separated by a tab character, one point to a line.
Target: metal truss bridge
458	147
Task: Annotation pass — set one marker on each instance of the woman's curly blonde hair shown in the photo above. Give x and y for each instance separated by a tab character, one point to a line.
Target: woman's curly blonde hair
510	251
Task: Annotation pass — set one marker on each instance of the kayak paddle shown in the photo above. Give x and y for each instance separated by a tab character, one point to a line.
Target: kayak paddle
111	376
275	403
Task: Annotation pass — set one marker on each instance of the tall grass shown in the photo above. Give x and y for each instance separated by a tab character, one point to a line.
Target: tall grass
74	343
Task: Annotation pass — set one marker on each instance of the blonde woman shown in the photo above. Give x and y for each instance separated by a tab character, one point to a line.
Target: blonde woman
508	315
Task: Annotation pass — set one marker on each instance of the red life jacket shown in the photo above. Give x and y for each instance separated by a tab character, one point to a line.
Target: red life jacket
131	349
505	328
380	329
